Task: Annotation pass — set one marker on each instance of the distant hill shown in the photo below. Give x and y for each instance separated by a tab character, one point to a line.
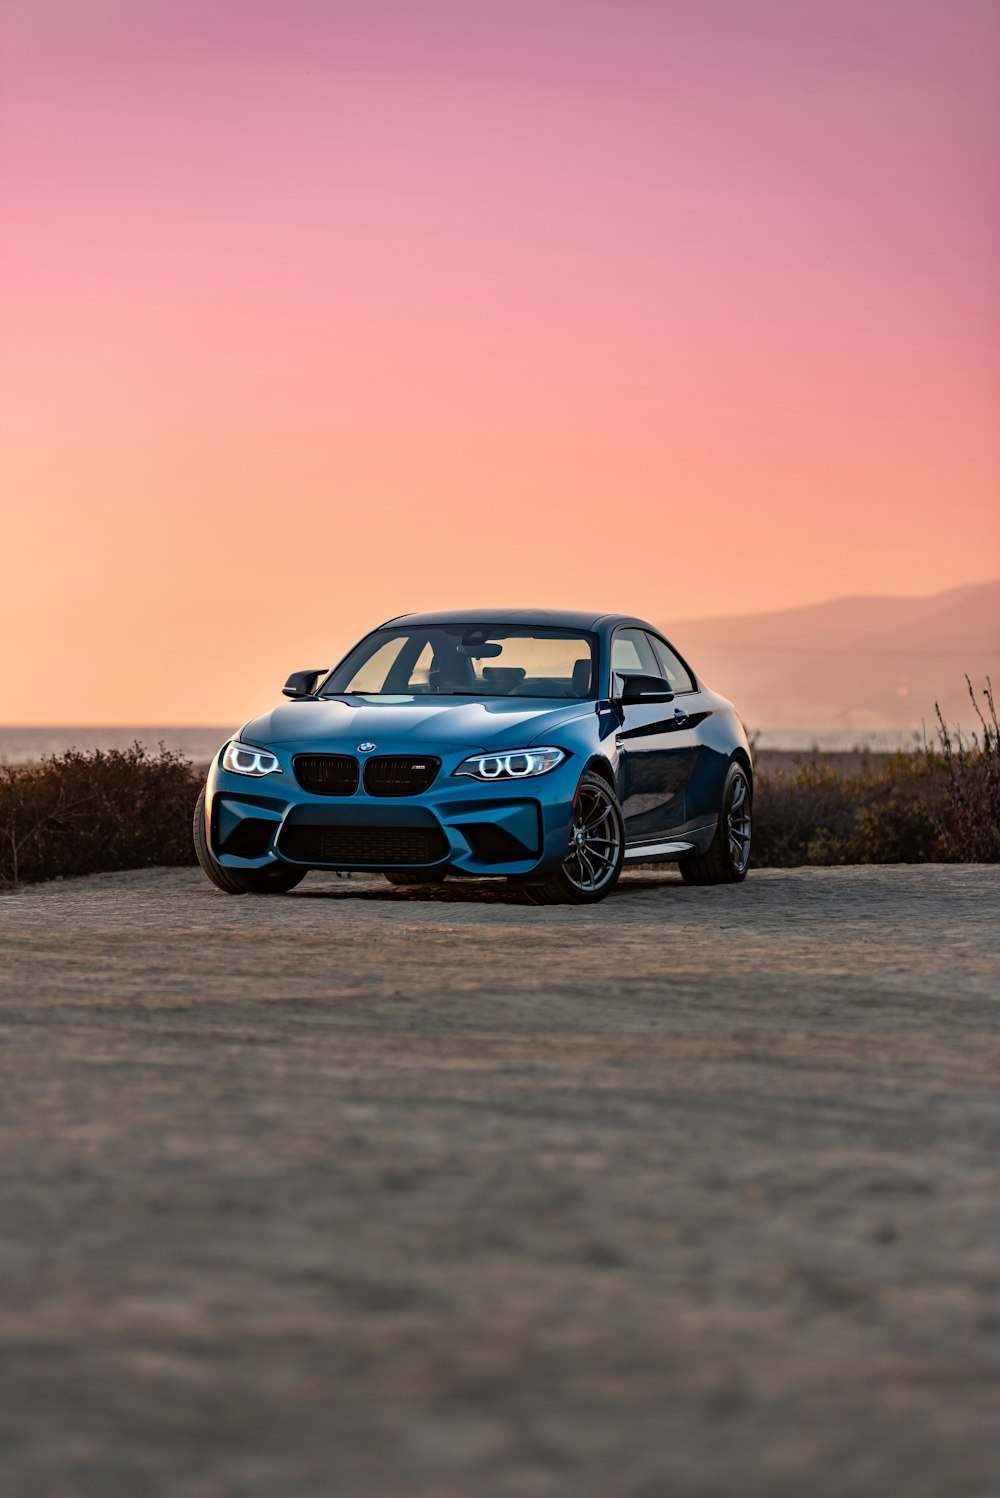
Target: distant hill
864	664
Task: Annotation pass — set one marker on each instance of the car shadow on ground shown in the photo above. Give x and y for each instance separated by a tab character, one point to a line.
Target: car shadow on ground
464	891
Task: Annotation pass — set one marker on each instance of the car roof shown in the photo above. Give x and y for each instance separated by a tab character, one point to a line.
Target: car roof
588	619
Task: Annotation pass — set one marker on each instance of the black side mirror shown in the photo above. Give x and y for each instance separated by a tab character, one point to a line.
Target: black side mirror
638	688
303	683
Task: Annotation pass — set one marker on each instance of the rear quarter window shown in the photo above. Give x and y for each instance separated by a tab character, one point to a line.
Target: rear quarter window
671	666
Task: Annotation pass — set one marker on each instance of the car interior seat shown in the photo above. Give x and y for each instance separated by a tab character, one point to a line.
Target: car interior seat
581	678
503	678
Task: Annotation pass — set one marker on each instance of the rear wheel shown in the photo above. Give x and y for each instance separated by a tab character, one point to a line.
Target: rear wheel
728	858
593	861
276	880
412	876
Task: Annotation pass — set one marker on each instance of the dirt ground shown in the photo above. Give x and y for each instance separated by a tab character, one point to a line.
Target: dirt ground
358	1193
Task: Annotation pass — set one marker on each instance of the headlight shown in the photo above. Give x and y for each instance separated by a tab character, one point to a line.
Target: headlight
244	759
513	764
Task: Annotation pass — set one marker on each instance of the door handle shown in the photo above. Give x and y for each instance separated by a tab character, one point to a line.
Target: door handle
680	716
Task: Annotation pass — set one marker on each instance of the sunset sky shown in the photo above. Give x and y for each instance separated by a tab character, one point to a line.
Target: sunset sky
316	311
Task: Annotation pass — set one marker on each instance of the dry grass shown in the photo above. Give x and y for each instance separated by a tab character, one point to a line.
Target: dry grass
971	822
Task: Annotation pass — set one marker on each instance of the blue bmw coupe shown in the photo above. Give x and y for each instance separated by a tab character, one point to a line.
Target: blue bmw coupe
549	748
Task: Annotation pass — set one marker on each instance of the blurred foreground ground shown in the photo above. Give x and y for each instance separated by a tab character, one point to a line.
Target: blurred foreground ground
378	1194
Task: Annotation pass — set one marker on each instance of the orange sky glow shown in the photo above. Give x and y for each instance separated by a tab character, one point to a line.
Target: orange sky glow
319	312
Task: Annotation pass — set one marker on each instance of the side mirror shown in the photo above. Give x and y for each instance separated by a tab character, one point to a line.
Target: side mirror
639	688
303	683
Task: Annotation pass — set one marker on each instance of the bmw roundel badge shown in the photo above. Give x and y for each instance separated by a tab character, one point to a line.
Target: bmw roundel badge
366	747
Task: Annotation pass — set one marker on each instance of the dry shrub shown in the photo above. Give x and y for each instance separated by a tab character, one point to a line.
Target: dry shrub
939	803
816	816
90	813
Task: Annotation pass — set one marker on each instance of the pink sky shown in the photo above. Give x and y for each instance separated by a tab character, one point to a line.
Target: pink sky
316	312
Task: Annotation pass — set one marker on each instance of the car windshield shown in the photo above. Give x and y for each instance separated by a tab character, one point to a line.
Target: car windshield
468	660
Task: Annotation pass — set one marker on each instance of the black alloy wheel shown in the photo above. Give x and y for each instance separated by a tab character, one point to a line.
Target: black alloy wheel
596	849
728	858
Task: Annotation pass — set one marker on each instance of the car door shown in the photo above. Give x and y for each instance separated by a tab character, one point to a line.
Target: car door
692	709
658	741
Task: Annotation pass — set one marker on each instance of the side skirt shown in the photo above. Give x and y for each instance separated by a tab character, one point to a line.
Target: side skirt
669	849
648	852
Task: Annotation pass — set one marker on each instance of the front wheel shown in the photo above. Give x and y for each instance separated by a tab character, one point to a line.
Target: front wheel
277	880
728	858
596	851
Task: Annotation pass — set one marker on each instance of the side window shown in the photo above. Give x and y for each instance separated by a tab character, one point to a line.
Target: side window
631	653
671	667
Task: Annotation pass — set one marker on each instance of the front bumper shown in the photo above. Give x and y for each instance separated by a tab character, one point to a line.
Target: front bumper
458	825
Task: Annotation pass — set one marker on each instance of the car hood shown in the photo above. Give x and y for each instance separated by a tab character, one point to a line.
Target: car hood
461	723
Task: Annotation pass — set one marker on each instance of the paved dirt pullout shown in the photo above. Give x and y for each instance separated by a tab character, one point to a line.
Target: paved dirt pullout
366	1193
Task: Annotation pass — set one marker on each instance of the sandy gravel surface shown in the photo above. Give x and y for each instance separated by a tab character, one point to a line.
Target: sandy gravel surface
356	1193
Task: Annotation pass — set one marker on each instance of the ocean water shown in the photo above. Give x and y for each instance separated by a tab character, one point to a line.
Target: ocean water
199	743
20	746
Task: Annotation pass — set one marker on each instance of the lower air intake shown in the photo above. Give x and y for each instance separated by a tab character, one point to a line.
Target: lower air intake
377	847
250	838
496	844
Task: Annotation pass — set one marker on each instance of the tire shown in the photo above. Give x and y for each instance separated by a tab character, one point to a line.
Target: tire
728	858
412	876
598	815
277	880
